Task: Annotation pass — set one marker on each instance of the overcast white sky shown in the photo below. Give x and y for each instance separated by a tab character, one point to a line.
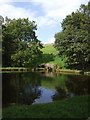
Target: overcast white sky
48	14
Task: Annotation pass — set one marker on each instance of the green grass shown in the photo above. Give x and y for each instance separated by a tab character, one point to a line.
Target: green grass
76	107
49	49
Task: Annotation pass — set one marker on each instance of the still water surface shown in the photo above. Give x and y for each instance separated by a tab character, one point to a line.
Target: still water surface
33	88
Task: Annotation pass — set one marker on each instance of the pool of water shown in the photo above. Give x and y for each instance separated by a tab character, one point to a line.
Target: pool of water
37	88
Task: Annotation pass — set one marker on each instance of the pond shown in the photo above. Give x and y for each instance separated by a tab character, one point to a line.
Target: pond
33	88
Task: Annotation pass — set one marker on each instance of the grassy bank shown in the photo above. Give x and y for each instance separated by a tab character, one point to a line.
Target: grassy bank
76	107
49	49
14	69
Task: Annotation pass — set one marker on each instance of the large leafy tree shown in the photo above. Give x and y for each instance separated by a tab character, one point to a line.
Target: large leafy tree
74	39
21	47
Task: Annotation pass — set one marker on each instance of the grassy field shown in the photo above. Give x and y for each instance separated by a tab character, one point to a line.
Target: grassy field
76	107
50	50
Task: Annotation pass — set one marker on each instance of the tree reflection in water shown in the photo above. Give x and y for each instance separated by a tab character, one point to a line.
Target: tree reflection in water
60	94
78	84
26	88
8	90
29	90
75	85
29	94
20	88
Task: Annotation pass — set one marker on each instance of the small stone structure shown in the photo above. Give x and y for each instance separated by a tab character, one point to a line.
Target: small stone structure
48	66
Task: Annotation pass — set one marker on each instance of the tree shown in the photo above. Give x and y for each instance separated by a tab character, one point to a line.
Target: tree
21	47
74	39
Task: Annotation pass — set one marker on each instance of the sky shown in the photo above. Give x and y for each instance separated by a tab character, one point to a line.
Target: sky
48	14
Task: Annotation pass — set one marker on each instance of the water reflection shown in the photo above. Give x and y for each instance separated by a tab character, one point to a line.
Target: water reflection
20	88
8	90
28	94
78	84
46	95
33	88
60	94
75	85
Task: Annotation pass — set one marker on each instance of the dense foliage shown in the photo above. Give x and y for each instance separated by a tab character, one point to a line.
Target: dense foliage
21	47
74	39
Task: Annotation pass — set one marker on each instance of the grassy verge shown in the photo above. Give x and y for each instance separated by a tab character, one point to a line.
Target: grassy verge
76	107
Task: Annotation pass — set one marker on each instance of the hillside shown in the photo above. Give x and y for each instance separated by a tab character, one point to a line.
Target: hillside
48	51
